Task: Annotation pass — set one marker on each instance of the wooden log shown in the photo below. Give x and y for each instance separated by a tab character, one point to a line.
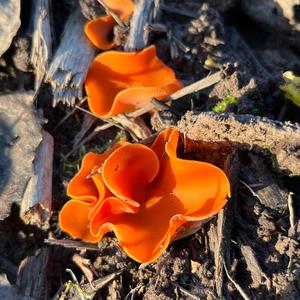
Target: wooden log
41	40
282	140
36	205
71	61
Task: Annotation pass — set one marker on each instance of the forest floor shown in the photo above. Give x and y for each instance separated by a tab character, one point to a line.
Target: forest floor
251	249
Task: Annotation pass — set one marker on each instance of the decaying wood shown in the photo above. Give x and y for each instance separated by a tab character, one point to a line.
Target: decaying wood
20	132
7	290
136	126
258	177
225	224
248	132
32	276
138	37
257	274
41	40
9	22
87	124
220	234
71	61
36	205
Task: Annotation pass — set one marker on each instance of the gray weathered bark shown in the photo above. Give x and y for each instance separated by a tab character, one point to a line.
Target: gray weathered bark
9	22
71	61
41	40
20	136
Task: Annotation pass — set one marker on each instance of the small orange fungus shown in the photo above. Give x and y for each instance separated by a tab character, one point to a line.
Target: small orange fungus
99	31
120	82
146	195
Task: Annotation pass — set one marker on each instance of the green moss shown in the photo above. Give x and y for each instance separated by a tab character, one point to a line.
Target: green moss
223	104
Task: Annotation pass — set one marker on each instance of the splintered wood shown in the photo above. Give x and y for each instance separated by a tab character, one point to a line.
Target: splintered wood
71	61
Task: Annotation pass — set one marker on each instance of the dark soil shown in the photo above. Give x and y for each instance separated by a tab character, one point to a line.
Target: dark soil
255	242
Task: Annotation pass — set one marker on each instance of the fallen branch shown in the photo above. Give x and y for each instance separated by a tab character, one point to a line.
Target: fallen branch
249	133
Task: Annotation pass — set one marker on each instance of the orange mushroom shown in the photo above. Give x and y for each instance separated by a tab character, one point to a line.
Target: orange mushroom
119	82
99	31
86	189
154	197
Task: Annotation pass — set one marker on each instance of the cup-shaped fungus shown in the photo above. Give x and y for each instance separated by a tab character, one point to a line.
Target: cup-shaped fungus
146	195
99	31
120	82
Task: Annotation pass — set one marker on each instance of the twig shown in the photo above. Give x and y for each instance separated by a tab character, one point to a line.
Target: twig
109	12
100	283
181	12
187	90
250	189
237	286
72	276
69	114
72	244
85	266
184	291
133	291
292	212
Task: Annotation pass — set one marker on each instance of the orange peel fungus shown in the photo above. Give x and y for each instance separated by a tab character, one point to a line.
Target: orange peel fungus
99	31
119	82
146	195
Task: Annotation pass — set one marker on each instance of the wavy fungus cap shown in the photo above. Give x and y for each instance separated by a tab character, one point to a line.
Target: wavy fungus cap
99	31
120	82
146	195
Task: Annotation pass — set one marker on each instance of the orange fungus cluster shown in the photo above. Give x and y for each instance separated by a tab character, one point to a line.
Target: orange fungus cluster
146	195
